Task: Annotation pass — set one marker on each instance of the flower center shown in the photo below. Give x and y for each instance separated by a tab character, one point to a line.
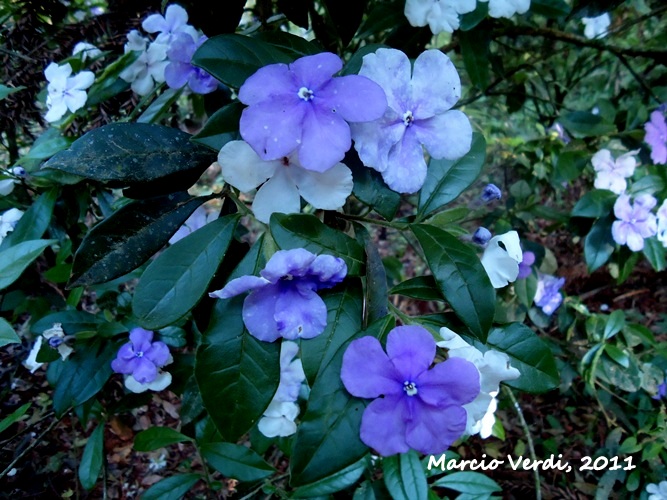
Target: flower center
408	118
410	388
287	277
139	354
305	93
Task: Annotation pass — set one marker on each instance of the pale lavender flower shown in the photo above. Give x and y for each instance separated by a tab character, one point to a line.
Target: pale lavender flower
302	108
87	51
283	302
199	218
656	137
419	115
635	222
180	70
482	236
657	491
662	223
491	192
596	27
547	295
141	358
147	69
65	92
525	266
416	407
611	174
174	21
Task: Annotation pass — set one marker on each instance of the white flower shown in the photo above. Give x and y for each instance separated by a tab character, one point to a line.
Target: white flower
31	361
8	221
175	20
278	419
440	16
596	27
7	186
160	383
87	50
662	223
287	181
65	91
493	367
135	42
611	174
657	491
148	68
502	257
507	8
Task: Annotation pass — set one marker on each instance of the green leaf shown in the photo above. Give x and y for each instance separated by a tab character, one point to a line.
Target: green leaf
370	189
92	459
599	244
419	287
14	260
336	482
72	322
133	154
404	476
655	253
235	461
306	231
569	166
647	184
172	488
472	483
528	353
7	334
233	58
584	124
46	145
460	277
221	127
375	291
552	9
472	19
384	16
5	90
293	45
129	237
34	222
161	105
447	218
447	179
617	355
174	282
158	437
615	323
109	83
594	204
15	416
353	66
475	52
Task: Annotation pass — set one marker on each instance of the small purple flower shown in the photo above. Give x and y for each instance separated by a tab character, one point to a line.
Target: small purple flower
481	236
416	407
548	295
636	222
283	302
302	107
662	391
491	192
656	137
180	71
525	266
174	21
141	357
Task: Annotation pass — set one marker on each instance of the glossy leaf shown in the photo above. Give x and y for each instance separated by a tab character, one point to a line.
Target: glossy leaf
599	244
174	282
655	253
34	222
124	241
158	437
594	204
447	179
336	482
236	461
294	45
306	231
475	52
14	260
375	285
221	127
472	483
370	189
72	322
460	277
586	124
46	145
171	488
92	458
404	476
7	334
160	106
472	19
419	287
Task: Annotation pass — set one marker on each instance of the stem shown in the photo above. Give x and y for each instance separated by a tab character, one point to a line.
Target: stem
30	447
239	204
402	226
407	320
258	488
531	447
142	102
207	474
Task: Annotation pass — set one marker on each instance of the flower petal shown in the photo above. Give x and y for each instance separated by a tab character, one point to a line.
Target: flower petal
238	286
157	353
447	135
154	23
314	71
326	139
278	194
145	371
258	313
622	208
243	168
411	349
268	82
383	425
452	382
300	314
176	74
367	372
434	70
390	68
355	98
433	429
324	190
293	262
406	168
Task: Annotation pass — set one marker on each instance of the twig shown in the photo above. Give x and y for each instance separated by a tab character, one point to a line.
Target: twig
30	447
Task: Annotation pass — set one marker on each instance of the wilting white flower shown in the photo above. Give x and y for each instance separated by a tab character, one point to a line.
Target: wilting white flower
87	50
596	27
8	221
65	91
502	257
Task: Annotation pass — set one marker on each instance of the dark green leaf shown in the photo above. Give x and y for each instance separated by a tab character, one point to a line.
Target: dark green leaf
14	417
293	45
174	282
46	145
109	83
370	189
72	322
617	355
594	204
655	253
404	476
306	231
129	237
345	17
472	483
647	184
172	488
447	179
419	287
585	124
447	218
157	109
383	16
5	90
569	166
15	259
7	334
460	277
336	482
599	244
34	221
158	437
353	66
221	127
472	19
92	458
615	323
475	52
375	293
552	9
236	461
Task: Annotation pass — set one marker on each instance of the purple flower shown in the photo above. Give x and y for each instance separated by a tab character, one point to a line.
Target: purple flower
283	302
174	21
481	236
525	266
419	115
662	391
656	137
416	407
548	295
141	357
491	192
636	221
180	71
301	107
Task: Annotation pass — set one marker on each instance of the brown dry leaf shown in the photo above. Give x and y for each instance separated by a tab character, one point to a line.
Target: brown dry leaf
121	430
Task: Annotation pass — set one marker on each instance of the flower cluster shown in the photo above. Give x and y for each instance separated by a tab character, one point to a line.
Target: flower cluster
141	360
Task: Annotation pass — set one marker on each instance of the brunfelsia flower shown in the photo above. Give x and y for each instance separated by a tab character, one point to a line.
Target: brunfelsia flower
416	407
525	266
491	192
278	419
547	295
7	185
419	115
502	257
148	68
611	174
493	367
635	221
301	107
64	91
199	218
8	221
482	236
141	358
656	137
180	71
439	16
174	22
283	182
657	491
596	27
283	302
662	223
87	51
